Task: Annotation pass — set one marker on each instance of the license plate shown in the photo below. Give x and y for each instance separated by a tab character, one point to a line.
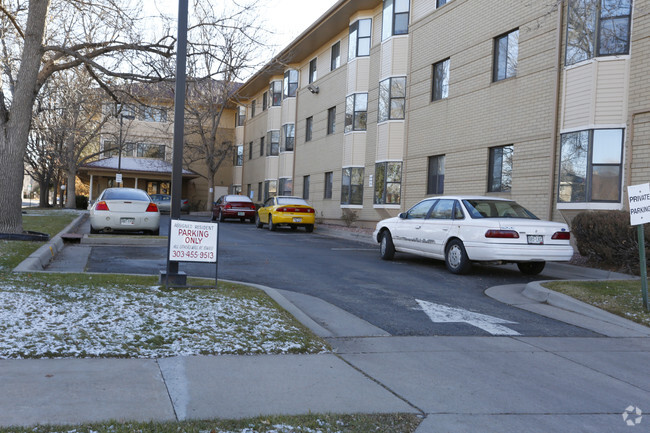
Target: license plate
127	221
241	213
536	239
297	220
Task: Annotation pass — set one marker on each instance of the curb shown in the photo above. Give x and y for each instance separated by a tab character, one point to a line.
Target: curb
40	258
535	291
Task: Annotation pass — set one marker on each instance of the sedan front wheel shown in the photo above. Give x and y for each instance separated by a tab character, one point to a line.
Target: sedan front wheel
386	247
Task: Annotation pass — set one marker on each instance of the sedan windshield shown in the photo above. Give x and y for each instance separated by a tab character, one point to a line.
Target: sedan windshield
497	209
125	194
292	200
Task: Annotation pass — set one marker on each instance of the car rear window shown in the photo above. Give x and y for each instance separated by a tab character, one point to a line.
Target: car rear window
239	198
125	194
497	209
292	200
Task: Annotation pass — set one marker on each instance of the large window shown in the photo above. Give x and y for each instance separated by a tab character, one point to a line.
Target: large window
331	120
388	182
241	115
275	91
506	53
288	137
239	156
313	72
335	59
273	143
597	28
392	99
286	186
395	18
359	40
290	83
352	185
436	175
327	194
305	187
500	169
356	112
309	126
591	166
147	150
440	80
270	189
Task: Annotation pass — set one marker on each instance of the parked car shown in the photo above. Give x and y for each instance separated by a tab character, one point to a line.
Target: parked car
124	209
164	202
463	229
284	210
233	206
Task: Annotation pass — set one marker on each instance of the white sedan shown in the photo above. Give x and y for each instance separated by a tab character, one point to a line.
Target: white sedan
124	209
463	229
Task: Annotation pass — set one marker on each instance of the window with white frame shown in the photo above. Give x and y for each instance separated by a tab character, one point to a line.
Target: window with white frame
270	189
591	166
290	83
239	156
597	28
327	194
275	91
436	175
359	39
388	182
273	143
506	54
288	137
500	169
440	80
285	186
395	18
241	115
335	59
356	112
392	99
313	71
352	186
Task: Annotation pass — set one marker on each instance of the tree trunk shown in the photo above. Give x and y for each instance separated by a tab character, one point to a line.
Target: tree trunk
71	189
14	128
43	200
211	198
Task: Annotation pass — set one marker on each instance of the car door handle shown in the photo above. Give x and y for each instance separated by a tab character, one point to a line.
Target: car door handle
418	227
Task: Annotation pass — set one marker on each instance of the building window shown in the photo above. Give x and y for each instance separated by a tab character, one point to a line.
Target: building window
440	3
241	115
290	83
145	150
440	80
591	166
506	53
436	175
352	185
286	186
288	137
309	126
500	169
388	182
597	28
359	40
305	187
262	146
249	190
239	156
328	185
250	150
260	191
270	189
236	189
331	120
395	18
273	143
253	109
275	90
313	72
153	114
265	101
392	99
356	112
335	60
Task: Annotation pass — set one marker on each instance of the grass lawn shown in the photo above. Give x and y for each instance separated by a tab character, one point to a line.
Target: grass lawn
312	423
623	298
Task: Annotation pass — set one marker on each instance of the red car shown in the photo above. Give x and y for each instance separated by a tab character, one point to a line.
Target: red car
233	206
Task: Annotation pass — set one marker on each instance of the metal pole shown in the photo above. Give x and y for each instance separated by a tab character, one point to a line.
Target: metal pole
643	266
119	155
179	123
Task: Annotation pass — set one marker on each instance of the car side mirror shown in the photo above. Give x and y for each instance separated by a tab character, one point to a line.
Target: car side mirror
403	215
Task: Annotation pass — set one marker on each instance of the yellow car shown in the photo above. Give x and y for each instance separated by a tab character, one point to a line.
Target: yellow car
284	210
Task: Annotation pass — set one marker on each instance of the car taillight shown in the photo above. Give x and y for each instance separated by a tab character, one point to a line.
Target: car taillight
152	207
251	206
228	206
101	206
503	234
565	236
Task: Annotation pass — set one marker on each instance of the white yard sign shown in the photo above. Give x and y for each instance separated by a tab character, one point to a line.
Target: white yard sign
193	241
639	200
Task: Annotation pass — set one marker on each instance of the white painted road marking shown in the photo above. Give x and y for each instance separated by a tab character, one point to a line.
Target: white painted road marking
443	314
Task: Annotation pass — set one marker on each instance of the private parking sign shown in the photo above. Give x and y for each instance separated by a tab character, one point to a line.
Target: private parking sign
639	201
192	241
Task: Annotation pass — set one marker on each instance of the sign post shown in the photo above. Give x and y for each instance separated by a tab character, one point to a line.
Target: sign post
639	200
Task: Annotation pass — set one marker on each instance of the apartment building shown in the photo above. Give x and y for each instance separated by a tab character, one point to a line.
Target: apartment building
380	104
